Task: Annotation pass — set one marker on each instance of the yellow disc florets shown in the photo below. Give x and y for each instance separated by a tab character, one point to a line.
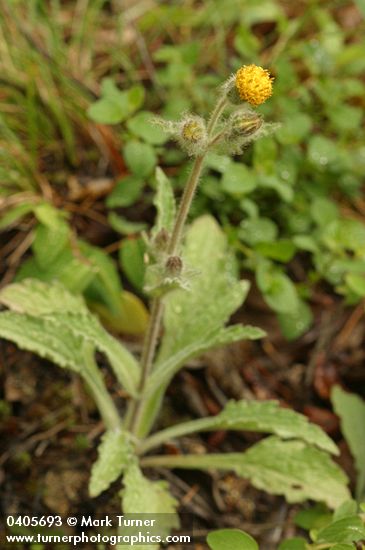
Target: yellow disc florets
253	84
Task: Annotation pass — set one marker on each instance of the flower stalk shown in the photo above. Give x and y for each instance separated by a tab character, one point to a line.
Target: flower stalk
252	84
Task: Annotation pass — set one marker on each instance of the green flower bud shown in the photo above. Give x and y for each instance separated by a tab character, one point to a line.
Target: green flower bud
193	137
193	130
245	124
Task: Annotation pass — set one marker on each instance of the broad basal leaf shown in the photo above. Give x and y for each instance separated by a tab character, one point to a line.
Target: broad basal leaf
39	299
115	454
121	360
351	410
142	496
68	313
289	468
256	416
46	339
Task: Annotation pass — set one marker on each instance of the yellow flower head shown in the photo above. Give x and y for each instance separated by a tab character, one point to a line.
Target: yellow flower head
254	84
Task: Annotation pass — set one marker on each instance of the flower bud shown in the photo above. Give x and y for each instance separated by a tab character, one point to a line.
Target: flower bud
193	137
174	266
193	130
245	124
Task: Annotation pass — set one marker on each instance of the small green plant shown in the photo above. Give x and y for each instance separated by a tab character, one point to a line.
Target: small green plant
343	529
194	290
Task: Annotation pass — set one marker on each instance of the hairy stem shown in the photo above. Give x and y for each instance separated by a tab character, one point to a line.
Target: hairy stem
173	249
184	208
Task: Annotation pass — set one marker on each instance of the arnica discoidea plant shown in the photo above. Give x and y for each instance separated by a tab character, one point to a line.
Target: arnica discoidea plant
228	130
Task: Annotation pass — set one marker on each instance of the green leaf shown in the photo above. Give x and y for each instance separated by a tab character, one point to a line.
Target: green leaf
289	468
49	243
349	529
348	508
258	230
121	360
323	211
238	180
109	110
131	257
356	283
14	214
295	323
344	234
278	290
105	286
140	158
114	456
281	250
43	338
38	299
115	105
143	127
124	226
62	310
142	496
231	539
51	235
164	201
351	410
346	118
169	366
315	517
296	543
126	192
294	129
322	152
74	273
255	416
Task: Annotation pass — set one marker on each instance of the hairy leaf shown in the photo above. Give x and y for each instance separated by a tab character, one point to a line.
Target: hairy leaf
142	496
40	299
164	202
289	468
46	339
68	312
256	416
115	454
122	361
351	410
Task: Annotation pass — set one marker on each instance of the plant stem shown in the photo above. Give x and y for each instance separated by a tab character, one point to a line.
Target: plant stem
148	352
151	338
173	432
184	208
95	383
218	109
